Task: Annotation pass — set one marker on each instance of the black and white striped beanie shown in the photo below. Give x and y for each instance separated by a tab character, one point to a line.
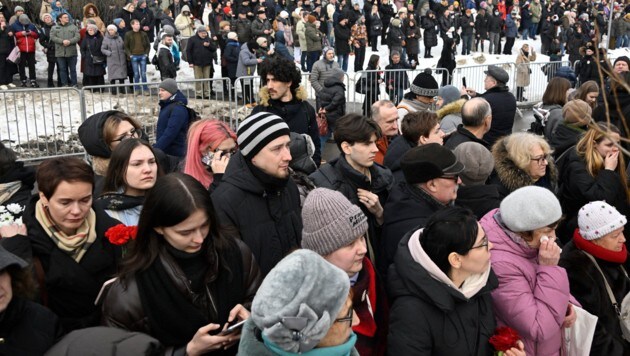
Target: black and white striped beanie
257	130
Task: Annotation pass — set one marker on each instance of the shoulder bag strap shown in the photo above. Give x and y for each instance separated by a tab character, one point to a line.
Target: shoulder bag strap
613	300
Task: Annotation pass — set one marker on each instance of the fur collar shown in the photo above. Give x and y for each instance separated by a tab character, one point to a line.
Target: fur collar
263	95
451	108
513	177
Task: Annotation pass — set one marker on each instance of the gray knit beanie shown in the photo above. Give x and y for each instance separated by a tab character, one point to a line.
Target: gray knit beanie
449	94
18	8
170	85
24	20
530	208
598	218
330	221
257	130
299	300
168	29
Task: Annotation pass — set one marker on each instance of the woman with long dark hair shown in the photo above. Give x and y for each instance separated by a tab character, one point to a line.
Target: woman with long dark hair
180	258
373	79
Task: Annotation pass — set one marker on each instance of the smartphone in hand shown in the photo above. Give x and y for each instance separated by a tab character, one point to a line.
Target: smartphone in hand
233	327
464	82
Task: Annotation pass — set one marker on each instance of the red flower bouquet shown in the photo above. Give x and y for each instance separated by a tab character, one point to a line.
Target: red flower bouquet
504	338
120	234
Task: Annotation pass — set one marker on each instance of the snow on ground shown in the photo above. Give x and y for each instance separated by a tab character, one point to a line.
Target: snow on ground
40	122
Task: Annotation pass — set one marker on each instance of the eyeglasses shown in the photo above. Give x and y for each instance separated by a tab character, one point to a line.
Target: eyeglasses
541	159
133	133
484	243
349	317
454	178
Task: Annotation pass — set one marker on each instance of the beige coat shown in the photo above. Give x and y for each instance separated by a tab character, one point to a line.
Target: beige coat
185	24
522	68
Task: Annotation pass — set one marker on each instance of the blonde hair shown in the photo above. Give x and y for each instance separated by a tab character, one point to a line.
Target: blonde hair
519	146
594	161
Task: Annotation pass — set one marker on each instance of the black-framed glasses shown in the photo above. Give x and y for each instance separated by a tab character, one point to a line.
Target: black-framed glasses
484	243
346	318
541	160
454	178
133	133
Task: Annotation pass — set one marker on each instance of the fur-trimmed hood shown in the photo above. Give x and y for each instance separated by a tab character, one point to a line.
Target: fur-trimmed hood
513	177
263	95
87	7
451	108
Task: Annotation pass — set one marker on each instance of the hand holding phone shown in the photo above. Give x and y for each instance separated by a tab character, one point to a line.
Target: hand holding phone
233	327
464	82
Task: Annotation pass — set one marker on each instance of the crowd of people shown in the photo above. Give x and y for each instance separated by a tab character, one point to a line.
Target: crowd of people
435	225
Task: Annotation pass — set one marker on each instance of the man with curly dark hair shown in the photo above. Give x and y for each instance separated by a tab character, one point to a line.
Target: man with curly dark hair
283	95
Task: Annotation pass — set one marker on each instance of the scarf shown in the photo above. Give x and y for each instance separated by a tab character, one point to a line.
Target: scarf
270	183
598	251
344	349
8	189
471	286
76	245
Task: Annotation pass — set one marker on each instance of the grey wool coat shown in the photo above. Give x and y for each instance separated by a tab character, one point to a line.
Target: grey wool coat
113	48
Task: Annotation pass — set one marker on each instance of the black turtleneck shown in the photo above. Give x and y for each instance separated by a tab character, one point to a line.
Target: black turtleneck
194	266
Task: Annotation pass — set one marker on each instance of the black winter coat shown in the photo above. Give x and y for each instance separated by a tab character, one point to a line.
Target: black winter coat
463	135
478	198
564	137
503	104
27	328
587	69
428	317
268	219
465	24
338	175
376	25
71	287
200	55
230	55
407	208
445	24
166	64
146	18
90	48
342	36
333	99
47	43
387	12
578	187
413	43
482	23
395	37
587	286
430	33
397	78
495	23
395	151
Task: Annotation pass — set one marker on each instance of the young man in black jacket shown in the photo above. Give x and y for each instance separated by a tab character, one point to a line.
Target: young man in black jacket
166	64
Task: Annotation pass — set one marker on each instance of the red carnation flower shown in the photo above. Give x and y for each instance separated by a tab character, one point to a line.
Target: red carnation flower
504	338
121	234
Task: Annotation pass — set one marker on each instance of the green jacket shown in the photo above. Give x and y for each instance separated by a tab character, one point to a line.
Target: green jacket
536	10
313	38
130	39
69	32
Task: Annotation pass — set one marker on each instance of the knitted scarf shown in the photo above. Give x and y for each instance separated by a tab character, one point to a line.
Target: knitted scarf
598	251
76	245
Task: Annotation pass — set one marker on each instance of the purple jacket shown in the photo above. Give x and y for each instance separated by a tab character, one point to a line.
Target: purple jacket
531	298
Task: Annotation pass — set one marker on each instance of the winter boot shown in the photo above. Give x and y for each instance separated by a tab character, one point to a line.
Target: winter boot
24	84
34	84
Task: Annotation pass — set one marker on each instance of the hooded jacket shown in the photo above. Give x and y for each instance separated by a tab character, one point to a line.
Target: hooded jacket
509	177
172	125
247	62
450	116
96	18
451	323
269	220
531	298
166	64
333	99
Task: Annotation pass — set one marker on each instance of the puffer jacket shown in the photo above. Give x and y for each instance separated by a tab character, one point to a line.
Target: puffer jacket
243	30
172	125
26	36
333	99
68	32
230	55
509	177
430	33
247	62
451	324
313	38
322	70
531	298
268	219
123	307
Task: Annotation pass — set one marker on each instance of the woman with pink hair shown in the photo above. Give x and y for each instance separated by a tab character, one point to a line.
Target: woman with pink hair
210	145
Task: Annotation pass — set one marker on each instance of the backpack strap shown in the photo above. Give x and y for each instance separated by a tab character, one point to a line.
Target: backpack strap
613	300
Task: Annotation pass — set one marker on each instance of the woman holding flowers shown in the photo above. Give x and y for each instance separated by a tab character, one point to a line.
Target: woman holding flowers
132	171
63	237
183	278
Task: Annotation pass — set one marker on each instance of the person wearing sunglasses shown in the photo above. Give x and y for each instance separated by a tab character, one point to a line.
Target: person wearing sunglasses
523	159
533	296
303	307
440	286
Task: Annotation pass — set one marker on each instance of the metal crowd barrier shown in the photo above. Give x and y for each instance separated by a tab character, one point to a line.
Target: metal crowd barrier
540	75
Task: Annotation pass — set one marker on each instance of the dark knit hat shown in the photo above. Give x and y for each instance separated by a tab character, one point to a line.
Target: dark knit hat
330	221
170	85
257	130
299	300
261	11
424	84
623	58
423	163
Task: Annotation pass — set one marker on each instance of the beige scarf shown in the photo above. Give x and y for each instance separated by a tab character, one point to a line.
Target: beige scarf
76	245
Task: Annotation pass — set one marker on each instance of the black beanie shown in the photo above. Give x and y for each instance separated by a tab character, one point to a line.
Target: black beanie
424	84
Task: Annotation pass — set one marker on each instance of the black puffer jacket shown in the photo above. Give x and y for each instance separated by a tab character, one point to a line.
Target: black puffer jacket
269	221
587	286
564	137
342	36
333	99
408	207
430	33
503	104
579	187
111	341
428	317
71	287
27	328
